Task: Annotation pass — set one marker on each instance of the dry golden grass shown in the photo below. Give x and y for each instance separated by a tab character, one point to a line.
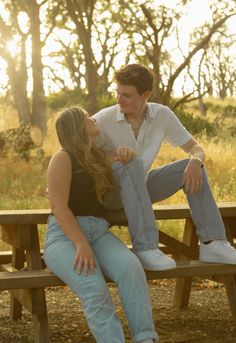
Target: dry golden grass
23	183
220	163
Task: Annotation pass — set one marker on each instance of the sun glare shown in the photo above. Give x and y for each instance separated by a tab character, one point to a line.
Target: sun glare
12	47
188	21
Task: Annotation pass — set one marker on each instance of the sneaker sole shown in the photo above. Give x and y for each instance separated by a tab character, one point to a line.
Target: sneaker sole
214	260
159	268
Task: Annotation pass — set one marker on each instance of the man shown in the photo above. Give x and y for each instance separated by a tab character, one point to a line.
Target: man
135	128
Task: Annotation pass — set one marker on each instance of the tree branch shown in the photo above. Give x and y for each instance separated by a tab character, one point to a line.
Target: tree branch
199	46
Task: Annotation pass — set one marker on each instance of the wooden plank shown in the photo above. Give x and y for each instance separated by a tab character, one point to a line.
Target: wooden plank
44	278
176	245
230	285
25	237
33	256
180	211
32	300
18	263
5	257
36	297
229	233
40	324
28	279
192	268
183	286
14	235
37	216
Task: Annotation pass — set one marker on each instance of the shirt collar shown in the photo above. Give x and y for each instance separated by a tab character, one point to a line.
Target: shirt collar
149	112
121	117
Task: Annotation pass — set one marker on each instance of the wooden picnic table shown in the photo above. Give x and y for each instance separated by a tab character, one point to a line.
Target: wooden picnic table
22	270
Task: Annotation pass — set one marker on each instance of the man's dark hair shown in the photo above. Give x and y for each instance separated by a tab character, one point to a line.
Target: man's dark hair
136	75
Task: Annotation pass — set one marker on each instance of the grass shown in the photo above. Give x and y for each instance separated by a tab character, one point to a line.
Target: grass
23	183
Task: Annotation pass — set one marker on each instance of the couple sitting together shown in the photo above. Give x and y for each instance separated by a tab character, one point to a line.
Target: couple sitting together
103	164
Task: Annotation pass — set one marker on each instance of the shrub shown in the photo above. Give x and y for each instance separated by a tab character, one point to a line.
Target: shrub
57	101
195	125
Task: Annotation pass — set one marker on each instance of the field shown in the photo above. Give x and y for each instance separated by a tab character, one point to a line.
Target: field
23	183
208	318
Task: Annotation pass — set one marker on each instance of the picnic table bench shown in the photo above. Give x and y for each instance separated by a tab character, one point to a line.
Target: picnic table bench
23	272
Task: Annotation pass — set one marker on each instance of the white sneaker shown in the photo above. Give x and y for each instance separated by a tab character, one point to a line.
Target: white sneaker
220	251
155	260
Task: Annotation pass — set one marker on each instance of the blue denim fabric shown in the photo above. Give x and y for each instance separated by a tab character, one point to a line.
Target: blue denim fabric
167	180
137	197
130	178
114	261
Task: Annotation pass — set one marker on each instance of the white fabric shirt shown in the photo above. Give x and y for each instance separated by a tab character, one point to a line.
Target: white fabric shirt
160	124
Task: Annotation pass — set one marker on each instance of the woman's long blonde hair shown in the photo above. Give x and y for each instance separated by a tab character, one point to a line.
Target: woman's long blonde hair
73	138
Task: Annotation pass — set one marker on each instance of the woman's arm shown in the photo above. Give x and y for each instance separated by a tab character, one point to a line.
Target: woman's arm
59	180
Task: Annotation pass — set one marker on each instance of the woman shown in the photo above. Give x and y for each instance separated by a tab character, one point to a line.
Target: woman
79	248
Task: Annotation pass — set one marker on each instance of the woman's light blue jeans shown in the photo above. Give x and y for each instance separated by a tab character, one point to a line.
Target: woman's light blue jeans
114	261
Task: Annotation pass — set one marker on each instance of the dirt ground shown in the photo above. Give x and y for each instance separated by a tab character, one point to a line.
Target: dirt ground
207	319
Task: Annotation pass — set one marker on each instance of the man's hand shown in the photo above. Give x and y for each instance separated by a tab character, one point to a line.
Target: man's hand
192	179
124	154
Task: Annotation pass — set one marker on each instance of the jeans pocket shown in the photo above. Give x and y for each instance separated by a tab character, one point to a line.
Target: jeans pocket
54	232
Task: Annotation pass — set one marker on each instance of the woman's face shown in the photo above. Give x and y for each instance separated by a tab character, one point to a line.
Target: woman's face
90	127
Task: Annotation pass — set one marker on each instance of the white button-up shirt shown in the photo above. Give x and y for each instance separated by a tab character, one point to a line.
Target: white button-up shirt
160	124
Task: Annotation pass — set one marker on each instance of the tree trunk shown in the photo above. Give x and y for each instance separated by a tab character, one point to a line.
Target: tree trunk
39	118
84	32
202	107
18	84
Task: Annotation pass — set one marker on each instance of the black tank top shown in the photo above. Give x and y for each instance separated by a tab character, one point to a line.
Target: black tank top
83	200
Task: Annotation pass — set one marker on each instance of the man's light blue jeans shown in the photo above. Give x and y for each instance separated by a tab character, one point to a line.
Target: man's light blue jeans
114	261
137	196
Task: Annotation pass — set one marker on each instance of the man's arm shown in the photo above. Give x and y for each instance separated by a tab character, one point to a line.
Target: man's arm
195	151
193	173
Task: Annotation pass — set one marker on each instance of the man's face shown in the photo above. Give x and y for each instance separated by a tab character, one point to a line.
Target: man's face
129	100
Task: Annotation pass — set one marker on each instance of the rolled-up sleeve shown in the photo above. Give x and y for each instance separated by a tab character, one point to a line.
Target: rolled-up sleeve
176	133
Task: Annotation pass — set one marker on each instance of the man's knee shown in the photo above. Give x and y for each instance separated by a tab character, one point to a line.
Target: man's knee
134	167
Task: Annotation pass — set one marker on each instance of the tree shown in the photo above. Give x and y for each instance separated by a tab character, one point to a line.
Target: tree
221	68
149	27
16	65
88	58
11	28
38	94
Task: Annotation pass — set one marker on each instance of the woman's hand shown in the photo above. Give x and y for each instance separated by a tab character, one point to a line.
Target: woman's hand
192	179
84	258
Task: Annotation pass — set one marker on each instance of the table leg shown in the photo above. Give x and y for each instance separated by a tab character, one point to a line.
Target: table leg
230	228
183	285
230	285
18	258
37	296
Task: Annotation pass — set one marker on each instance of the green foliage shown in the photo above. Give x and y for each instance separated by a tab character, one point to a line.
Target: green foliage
223	112
57	101
195	125
106	101
218	108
